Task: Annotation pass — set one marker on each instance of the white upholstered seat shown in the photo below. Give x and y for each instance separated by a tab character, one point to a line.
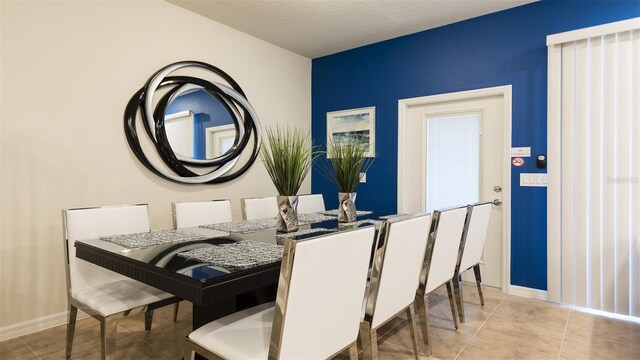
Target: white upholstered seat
310	203
242	335
196	213
318	309
118	296
440	262
95	290
259	208
471	247
395	277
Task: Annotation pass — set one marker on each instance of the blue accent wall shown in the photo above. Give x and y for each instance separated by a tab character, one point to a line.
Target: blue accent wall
208	111
503	48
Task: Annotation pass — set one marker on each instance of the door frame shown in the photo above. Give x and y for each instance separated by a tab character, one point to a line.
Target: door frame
503	91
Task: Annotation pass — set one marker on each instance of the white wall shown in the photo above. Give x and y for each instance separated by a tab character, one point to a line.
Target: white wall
68	70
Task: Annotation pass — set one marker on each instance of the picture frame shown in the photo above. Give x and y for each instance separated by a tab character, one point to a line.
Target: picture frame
353	125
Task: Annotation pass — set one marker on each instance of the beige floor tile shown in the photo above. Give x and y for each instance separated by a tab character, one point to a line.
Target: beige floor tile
533	311
446	341
16	349
599	326
506	338
583	346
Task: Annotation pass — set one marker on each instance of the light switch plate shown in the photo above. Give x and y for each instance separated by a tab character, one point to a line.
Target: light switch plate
363	177
533	179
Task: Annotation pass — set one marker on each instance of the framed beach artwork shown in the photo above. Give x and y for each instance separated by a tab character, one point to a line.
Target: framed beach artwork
356	125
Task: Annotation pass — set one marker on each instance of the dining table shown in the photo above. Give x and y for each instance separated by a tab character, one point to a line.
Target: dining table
219	268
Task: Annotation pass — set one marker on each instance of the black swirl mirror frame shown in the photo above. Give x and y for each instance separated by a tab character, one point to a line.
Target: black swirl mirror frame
231	97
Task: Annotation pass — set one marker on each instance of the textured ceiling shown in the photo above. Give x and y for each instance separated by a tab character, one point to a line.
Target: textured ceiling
315	28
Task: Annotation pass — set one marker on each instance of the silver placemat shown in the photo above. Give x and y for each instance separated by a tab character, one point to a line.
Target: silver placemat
153	238
237	256
375	223
386	217
313	218
301	232
243	226
358	212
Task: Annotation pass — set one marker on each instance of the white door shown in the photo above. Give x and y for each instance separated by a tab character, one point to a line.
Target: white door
453	155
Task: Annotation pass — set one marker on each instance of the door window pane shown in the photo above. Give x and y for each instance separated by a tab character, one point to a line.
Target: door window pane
453	160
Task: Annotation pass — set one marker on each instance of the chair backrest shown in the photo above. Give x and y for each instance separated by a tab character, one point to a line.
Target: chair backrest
90	223
320	293
310	203
259	208
396	272
443	246
475	235
196	213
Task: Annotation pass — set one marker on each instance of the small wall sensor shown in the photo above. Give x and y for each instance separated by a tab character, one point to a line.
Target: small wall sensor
541	161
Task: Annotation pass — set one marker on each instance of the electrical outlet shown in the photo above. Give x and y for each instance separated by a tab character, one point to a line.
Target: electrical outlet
363	177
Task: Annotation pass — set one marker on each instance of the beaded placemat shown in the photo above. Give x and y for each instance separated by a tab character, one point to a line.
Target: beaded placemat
237	256
153	238
358	212
243	226
386	217
302	232
376	223
313	218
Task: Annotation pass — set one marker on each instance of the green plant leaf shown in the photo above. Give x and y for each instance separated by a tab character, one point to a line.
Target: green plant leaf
287	155
347	160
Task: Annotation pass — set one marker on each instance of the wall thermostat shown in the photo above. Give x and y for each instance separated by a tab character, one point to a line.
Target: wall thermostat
541	161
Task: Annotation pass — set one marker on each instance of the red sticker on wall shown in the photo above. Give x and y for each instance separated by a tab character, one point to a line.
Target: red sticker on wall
517	161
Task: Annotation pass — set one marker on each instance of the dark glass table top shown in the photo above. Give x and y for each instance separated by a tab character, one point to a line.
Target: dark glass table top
166	256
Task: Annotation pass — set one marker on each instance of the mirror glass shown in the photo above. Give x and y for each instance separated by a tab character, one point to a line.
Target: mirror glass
198	126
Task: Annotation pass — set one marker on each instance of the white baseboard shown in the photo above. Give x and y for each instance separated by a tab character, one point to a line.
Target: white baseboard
35	325
527	292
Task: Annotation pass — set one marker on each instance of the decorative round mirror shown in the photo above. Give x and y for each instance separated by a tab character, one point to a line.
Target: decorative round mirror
194	123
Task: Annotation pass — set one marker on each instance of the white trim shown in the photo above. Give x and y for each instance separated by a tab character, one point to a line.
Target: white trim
527	292
554	179
35	325
504	91
177	115
606	314
600	30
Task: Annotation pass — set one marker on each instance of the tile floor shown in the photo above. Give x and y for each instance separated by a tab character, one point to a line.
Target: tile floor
506	327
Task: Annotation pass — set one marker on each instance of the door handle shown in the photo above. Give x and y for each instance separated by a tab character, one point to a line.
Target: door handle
497	202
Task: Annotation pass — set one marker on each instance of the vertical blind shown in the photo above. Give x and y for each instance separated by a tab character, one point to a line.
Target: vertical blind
599	172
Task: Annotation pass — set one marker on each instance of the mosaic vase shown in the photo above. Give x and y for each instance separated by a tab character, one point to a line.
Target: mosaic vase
287	220
347	207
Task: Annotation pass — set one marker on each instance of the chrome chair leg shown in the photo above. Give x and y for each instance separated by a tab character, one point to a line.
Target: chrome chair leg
353	351
457	290
71	328
373	339
422	307
411	316
364	337
176	306
452	303
108	335
148	319
476	271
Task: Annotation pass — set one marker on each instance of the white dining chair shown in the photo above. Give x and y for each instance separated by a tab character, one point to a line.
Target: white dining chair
196	213
394	278
259	208
101	293
440	263
317	310
311	203
471	247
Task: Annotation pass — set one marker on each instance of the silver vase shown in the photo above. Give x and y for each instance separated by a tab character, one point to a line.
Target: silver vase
347	207
287	220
